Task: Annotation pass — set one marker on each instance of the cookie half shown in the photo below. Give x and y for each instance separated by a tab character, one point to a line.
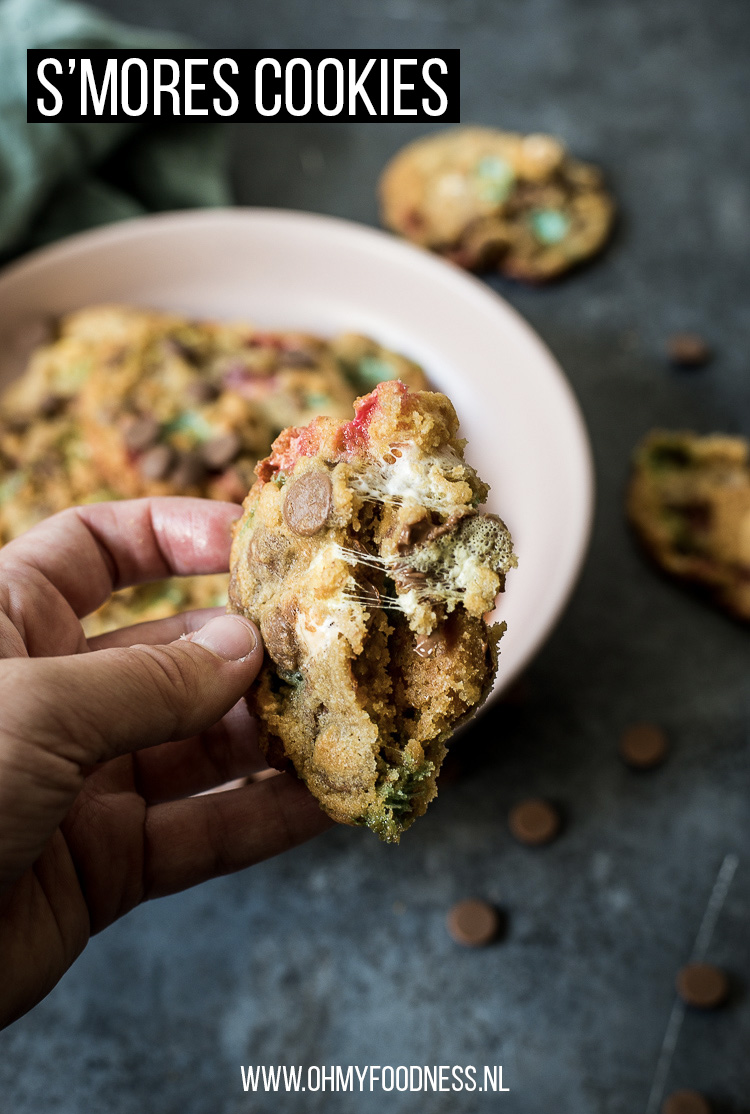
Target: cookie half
486	198
689	503
365	561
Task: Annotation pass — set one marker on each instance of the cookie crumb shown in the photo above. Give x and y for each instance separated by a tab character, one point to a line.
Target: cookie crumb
702	985
643	746
473	923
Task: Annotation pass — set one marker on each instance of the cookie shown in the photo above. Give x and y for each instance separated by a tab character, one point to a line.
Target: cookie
122	402
363	558
44	468
485	198
689	503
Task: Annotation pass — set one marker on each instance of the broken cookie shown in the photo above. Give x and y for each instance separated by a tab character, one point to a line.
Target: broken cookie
366	563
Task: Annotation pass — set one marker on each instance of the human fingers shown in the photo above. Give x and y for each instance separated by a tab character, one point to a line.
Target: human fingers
62	715
86	553
192	840
182	768
157	631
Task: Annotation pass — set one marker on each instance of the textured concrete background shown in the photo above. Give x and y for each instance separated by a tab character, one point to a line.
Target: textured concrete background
337	953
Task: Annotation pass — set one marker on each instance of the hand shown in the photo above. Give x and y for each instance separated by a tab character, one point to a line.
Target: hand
103	743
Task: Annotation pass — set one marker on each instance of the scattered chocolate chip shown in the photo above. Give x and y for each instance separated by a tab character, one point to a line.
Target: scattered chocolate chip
296	357
189	471
156	463
643	746
221	451
688	350
180	348
277	630
51	405
702	985
473	923
141	433
307	504
534	822
686	1102
202	391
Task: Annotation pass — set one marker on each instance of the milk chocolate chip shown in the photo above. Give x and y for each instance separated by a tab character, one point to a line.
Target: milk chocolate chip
141	433
473	923
702	985
277	629
155	464
189	471
307	504
643	746
686	1102
428	646
534	822
688	350
221	451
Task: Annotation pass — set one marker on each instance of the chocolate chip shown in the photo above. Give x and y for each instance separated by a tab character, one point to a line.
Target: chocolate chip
277	630
688	350
296	357
156	462
643	746
428	646
702	985
141	433
181	348
534	822
221	451
202	391
686	1102
308	503
406	579
367	589
51	405
473	923
189	471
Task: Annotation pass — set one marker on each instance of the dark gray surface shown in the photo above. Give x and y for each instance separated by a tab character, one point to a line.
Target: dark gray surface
337	953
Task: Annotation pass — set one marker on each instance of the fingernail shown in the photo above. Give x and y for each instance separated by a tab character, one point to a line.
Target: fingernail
231	637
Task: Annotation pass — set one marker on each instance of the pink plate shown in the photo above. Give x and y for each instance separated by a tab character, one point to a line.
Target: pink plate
525	432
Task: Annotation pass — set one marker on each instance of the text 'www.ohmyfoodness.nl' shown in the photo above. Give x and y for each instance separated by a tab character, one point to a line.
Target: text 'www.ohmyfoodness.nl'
374	1077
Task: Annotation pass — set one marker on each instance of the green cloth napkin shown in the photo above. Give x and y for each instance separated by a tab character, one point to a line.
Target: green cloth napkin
61	178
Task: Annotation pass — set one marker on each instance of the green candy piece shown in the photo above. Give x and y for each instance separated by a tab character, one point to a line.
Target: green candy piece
191	422
371	370
495	178
316	400
550	226
10	487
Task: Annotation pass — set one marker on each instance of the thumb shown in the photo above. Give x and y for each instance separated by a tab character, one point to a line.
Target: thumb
92	707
